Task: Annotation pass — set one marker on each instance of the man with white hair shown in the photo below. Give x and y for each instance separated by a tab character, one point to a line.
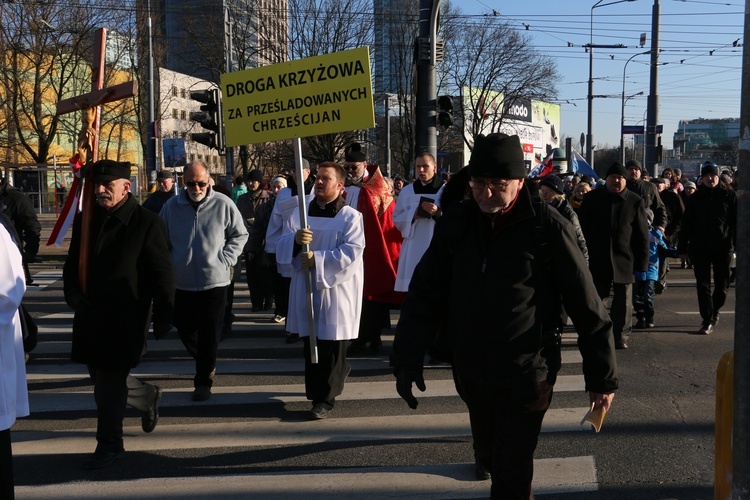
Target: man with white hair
206	237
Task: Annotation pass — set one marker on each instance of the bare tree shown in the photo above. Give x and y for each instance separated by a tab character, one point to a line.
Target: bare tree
487	57
47	46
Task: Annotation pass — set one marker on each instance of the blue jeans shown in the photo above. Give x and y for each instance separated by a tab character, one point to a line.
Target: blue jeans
643	301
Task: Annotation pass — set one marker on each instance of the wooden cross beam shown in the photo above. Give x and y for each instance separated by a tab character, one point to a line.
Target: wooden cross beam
88	138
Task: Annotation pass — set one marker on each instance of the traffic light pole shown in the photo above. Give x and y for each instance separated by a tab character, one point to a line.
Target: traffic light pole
425	126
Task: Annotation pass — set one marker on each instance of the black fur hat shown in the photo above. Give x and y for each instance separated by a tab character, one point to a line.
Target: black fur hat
497	156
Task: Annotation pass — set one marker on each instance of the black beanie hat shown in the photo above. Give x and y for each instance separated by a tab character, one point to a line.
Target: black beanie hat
554	183
109	170
353	153
634	164
497	156
617	169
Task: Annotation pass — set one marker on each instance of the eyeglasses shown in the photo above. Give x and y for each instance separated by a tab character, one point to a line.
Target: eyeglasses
350	167
192	184
495	186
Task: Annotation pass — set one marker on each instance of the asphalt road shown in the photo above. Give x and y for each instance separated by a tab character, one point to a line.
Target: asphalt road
253	439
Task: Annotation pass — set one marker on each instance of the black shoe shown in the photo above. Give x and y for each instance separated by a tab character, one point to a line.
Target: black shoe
319	412
706	329
376	346
715	320
356	348
202	393
151	417
640	325
621	344
292	338
103	459
481	471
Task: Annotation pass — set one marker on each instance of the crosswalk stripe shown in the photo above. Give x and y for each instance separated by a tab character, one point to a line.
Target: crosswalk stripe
418	482
43	279
263	394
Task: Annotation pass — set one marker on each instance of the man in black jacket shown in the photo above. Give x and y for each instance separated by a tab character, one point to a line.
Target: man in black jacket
21	211
614	224
509	263
708	235
129	268
165	180
648	192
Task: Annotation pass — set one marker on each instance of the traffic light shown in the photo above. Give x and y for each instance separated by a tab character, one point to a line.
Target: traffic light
210	118
445	111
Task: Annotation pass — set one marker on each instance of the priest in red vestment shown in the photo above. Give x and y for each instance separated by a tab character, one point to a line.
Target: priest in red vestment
369	193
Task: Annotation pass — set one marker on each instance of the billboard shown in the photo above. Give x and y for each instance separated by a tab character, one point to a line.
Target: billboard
536	123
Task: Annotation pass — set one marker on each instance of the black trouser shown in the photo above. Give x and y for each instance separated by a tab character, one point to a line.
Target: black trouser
621	310
6	466
111	396
375	317
198	317
505	429
259	281
325	379
281	293
708	303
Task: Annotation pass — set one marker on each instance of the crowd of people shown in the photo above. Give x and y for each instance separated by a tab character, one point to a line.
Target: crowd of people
525	253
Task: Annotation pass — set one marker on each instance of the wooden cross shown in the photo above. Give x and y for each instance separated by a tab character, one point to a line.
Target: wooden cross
88	137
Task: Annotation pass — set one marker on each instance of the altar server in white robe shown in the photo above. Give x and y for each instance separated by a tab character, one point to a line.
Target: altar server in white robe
415	216
14	401
336	238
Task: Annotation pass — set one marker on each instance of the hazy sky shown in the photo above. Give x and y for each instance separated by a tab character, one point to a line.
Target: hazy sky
699	67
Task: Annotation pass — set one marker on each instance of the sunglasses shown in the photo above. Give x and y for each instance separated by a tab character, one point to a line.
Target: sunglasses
192	184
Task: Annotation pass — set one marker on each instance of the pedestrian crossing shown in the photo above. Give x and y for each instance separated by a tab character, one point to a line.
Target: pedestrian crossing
252	438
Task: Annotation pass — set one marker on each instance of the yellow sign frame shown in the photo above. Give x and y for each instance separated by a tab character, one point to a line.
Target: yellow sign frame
311	96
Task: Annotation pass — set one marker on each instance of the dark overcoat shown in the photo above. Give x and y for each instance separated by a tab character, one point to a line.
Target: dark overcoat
130	267
498	283
616	232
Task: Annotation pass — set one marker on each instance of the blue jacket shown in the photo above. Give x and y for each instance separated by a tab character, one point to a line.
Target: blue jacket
655	242
206	242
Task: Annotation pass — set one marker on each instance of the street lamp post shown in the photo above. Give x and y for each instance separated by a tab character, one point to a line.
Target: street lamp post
591	46
624	100
622	125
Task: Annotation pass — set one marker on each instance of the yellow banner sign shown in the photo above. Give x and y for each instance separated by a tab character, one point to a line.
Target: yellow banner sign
312	96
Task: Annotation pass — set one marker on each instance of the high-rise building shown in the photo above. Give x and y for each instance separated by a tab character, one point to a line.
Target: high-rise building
195	34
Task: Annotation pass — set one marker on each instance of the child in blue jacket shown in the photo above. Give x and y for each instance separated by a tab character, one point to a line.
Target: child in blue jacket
643	301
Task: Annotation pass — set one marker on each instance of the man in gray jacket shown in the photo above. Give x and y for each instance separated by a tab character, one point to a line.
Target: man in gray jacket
206	237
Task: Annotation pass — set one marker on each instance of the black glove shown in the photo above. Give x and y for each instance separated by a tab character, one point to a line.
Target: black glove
78	301
161	329
404	379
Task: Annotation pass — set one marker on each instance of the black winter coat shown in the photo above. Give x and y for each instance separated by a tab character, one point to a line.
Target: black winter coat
710	221
20	209
616	234
650	195
501	290
130	265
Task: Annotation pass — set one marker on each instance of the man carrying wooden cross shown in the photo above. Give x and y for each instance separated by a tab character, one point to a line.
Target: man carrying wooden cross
129	267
